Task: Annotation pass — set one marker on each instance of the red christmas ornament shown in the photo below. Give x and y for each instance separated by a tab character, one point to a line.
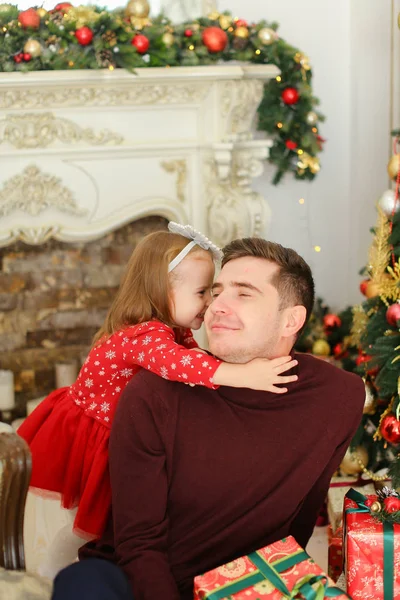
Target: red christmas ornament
331	321
29	18
362	358
18	58
63	6
393	314
290	95
290	145
141	43
241	23
392	504
320	142
27	57
363	286
390	429
84	35
214	38
188	33
338	349
371	499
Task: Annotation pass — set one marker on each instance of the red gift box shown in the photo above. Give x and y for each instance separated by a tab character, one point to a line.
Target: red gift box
372	551
281	570
335	553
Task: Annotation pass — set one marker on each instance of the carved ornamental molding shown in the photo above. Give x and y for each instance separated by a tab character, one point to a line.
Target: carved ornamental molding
180	168
34	191
40	130
134	95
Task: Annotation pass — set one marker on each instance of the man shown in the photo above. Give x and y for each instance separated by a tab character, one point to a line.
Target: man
200	477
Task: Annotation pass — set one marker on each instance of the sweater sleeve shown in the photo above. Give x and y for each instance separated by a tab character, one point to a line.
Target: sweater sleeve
153	347
139	494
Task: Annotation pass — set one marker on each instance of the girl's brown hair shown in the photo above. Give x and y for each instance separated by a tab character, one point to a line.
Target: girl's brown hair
145	289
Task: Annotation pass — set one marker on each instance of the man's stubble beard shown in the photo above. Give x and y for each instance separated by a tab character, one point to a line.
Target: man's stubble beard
241	355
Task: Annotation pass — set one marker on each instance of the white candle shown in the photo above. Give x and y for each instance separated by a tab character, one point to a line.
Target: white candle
66	373
7	399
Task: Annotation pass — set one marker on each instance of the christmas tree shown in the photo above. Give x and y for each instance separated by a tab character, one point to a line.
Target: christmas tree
375	333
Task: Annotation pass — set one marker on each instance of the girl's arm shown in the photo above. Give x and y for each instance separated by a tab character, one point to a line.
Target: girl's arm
152	346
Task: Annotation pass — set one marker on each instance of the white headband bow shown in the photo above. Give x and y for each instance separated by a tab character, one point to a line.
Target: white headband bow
196	238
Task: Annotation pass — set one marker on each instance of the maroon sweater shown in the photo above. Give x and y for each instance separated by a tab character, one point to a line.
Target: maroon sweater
200	477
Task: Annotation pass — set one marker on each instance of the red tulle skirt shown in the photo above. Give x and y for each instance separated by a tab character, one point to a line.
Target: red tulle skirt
70	460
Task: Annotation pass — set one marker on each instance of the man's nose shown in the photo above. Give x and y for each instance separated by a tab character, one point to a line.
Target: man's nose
219	305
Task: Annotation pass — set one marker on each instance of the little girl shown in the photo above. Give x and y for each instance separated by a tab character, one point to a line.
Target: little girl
163	295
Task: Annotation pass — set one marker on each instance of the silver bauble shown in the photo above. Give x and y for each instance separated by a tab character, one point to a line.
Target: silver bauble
387	201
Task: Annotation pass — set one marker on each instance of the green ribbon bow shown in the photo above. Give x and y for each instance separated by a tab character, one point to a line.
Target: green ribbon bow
270	572
388	543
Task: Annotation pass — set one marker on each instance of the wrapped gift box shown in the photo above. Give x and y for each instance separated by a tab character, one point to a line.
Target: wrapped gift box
338	489
367	573
335	554
281	570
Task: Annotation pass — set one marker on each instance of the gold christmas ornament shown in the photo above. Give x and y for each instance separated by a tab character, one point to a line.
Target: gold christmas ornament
214	16
393	166
241	32
137	8
369	402
321	348
376	507
267	36
225	21
312	117
306	161
168	39
373	289
42	12
354	462
81	16
33	48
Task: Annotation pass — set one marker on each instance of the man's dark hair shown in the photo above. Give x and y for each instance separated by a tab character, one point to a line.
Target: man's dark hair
293	281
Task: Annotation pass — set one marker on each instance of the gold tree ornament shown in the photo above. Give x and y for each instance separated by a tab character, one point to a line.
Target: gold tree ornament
321	348
168	39
33	48
241	32
306	161
358	325
138	13
42	12
267	36
224	21
81	16
379	252
393	166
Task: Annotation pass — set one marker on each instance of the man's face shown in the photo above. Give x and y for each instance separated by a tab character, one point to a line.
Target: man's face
244	320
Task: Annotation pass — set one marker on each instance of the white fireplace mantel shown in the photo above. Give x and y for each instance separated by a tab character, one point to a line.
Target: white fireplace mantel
84	152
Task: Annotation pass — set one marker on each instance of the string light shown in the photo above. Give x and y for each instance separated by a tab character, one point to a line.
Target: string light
111	68
279	125
257	51
301	201
278	78
71	63
191	47
314	130
317	248
230	29
300	151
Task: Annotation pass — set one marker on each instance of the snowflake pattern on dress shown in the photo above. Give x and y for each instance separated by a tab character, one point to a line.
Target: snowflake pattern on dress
152	345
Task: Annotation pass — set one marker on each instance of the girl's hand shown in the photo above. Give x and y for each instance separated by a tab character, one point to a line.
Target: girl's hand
258	374
264	374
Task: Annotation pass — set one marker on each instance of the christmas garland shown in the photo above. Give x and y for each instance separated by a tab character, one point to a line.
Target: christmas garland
88	37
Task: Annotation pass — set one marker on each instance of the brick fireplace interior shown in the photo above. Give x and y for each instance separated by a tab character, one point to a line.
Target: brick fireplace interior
53	299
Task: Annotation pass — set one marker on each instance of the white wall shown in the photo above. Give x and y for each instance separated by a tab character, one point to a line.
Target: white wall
348	42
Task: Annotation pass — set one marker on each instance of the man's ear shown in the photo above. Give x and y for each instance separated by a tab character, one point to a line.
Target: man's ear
295	319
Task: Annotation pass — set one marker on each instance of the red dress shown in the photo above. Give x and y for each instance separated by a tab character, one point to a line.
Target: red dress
68	432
